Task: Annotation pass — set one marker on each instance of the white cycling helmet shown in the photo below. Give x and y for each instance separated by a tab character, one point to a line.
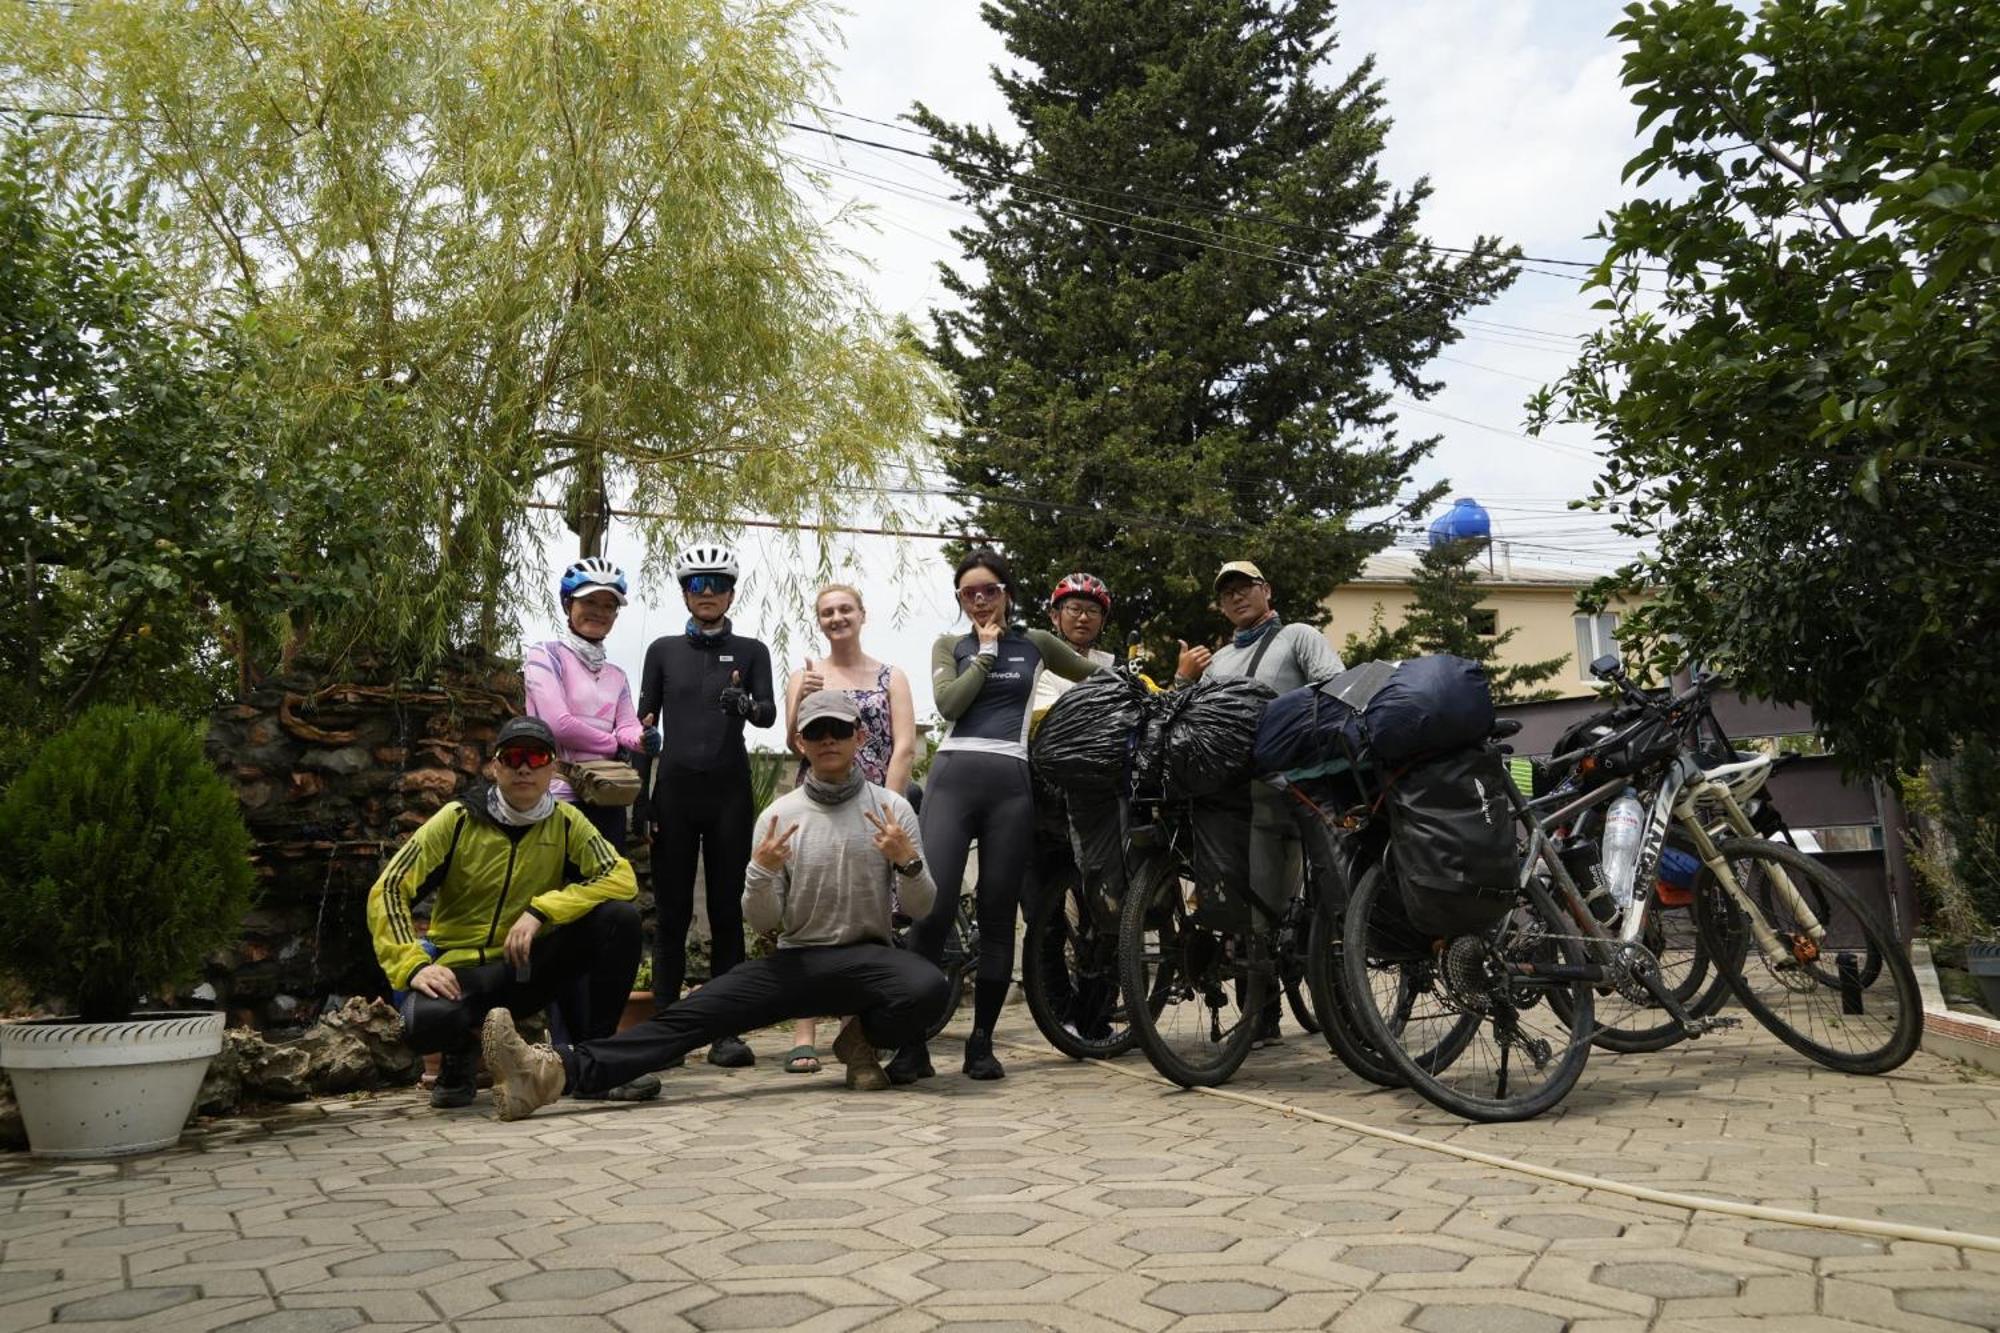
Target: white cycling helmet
705	558
590	574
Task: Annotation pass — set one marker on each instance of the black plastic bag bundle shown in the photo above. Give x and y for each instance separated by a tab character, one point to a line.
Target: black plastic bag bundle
1207	740
1086	737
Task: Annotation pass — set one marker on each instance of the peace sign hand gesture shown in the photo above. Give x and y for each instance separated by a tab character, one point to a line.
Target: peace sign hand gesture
891	839
776	848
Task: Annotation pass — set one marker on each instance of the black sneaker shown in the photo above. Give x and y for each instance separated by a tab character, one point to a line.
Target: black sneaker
641	1089
457	1081
979	1061
911	1063
731	1053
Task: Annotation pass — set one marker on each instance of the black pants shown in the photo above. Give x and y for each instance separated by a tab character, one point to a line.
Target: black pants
896	994
585	967
971	795
706	817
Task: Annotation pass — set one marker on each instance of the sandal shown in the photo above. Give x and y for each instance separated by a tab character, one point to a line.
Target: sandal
802	1060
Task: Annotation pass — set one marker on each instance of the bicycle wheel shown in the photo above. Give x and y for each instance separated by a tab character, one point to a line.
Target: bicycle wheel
1467	1030
1634	1023
1202	991
1828	1011
1337	1020
1069	971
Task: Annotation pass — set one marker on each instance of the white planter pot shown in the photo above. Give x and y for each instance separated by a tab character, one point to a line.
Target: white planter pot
106	1089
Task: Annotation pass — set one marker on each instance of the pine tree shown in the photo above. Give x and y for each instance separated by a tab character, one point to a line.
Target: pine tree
1444	616
1196	296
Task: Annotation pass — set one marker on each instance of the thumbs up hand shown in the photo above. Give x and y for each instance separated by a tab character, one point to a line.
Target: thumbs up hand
810	680
736	700
1193	661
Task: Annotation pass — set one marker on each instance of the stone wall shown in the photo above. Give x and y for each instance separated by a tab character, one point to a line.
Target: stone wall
332	773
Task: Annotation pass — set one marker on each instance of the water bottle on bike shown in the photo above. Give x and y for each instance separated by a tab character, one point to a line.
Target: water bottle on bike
1624	827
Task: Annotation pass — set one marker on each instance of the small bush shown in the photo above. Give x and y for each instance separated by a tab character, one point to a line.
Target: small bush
123	863
1968	798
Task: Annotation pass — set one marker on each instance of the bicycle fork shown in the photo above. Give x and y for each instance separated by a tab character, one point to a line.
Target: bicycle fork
1775	951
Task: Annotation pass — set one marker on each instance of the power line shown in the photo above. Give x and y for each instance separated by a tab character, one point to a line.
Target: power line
774	523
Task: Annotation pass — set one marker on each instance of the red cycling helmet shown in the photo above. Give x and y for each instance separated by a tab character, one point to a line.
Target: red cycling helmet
1082	585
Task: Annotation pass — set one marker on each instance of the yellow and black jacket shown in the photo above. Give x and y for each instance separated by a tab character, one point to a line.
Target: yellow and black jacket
486	875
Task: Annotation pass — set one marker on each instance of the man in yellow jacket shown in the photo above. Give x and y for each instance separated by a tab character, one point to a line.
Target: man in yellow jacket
533	906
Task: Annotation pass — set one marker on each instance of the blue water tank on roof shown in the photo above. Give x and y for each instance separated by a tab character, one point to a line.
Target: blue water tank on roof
1464	520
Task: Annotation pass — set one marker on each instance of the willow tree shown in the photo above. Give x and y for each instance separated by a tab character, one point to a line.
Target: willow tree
507	251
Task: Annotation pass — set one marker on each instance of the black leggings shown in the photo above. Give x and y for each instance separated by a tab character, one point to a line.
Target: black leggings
706	817
896	994
971	795
586	967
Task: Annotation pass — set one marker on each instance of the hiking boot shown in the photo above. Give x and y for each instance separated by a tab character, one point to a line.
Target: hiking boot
457	1081
524	1076
910	1063
864	1067
731	1053
641	1089
979	1061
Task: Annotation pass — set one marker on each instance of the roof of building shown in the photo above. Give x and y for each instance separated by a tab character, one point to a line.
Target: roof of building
1497	569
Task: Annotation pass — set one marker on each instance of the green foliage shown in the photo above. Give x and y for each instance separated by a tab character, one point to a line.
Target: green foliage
123	862
1802	423
1196	295
1444	592
1968	807
497	250
145	508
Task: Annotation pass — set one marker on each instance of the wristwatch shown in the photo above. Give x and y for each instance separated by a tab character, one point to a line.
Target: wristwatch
911	868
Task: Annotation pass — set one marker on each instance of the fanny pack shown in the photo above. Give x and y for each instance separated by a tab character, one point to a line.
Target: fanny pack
603	781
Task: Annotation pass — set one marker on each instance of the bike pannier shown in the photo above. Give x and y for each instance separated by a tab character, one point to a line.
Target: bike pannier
1451	842
1085	738
603	781
1428	706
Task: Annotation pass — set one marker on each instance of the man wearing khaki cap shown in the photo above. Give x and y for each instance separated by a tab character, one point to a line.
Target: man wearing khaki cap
828	857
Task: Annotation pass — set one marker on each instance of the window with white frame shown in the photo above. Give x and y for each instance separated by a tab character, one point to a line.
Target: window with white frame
1595	636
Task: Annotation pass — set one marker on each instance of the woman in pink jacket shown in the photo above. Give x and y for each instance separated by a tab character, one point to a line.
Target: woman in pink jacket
586	701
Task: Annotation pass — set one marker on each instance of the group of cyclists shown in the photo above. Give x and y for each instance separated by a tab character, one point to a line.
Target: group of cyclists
526	868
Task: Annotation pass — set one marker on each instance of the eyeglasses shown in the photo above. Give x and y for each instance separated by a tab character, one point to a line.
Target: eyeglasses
827	729
1235	590
703	584
1081	607
980	592
525	756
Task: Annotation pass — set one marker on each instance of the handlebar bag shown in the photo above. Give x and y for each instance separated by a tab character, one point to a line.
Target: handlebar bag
1452	843
1429	705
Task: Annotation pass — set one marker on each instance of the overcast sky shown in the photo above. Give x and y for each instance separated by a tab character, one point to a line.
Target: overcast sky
1512	108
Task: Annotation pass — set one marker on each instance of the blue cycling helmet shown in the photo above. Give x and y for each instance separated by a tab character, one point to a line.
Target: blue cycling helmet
590	574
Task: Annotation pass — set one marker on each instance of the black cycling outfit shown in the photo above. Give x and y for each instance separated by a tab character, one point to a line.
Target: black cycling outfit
701	806
978	790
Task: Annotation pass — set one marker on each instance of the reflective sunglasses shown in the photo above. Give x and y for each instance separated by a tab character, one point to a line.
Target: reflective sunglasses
525	756
980	592
701	584
827	728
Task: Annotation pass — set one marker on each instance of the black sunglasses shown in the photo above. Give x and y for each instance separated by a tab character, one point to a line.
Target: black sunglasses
827	728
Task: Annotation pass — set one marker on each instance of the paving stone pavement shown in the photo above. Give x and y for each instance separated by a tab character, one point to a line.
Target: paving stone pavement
1065	1197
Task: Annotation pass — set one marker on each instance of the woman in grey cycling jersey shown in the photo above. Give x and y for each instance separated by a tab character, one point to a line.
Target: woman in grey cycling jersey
984	682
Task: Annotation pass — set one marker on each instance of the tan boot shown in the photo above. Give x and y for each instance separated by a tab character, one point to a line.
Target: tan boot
864	1067
524	1076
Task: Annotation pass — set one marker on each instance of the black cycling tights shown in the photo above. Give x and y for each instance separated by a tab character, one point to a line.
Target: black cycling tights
970	795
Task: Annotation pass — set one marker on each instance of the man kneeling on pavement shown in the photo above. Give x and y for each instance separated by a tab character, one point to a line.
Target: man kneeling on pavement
830	858
533	906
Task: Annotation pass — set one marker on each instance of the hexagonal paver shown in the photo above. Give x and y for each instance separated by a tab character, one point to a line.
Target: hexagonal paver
810	1210
1342	1210
113	1237
1179	1240
982	1275
22	1279
134	1304
1403	1259
1565	1226
1812	1243
568	1284
827	1175
1486	1318
787	1253
394	1263
755	1311
1150	1198
1981	1309
1667	1282
981	1224
1214	1297
1485	1187
298	1321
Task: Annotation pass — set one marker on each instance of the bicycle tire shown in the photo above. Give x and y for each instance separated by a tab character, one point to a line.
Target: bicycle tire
1337	1021
1472	1083
1792	999
1089	957
1181	968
